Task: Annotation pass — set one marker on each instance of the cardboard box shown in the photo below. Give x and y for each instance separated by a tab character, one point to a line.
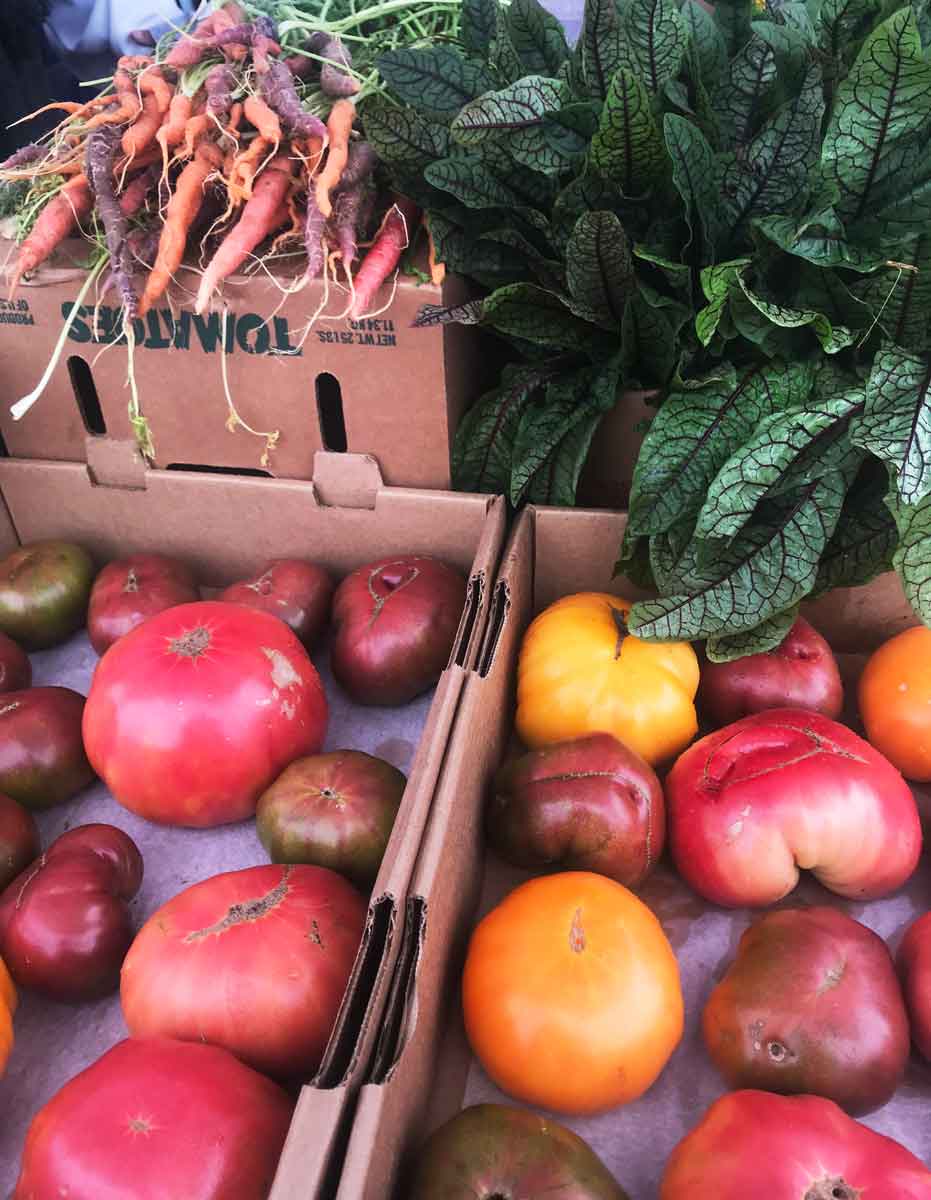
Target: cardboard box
375	386
420	1068
227	527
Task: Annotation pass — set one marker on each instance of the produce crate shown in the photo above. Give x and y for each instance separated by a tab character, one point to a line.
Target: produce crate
423	1072
225	528
374	386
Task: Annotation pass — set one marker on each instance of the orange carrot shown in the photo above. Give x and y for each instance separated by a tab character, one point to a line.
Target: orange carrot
197	126
55	222
235	120
266	121
171	133
246	163
143	130
339	127
180	214
153	83
390	242
265	210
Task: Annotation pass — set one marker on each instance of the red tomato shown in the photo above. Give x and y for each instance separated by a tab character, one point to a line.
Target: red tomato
297	592
755	1144
15	667
42	758
130	590
19	839
65	923
914	962
255	960
154	1120
193	714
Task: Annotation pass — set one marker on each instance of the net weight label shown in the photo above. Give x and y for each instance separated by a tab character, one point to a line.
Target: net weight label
370	331
15	312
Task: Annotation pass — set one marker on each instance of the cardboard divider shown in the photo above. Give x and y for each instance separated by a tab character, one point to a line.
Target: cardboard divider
420	1068
374	385
226	527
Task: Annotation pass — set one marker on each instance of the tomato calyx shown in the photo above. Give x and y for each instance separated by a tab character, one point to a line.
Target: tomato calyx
244	912
192	643
263	585
832	1189
132	581
392	581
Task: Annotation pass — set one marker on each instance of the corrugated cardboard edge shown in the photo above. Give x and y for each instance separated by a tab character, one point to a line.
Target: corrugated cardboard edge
420	1067
312	1157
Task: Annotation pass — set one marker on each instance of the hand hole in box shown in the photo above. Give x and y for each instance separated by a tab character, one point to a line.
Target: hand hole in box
85	396
330	413
202	467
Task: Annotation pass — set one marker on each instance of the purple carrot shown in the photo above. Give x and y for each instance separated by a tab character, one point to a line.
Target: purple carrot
359	167
344	223
281	97
219	86
102	147
335	79
314	227
137	190
23	156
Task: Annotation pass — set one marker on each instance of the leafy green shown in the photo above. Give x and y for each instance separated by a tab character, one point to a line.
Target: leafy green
436	80
758	640
654	39
895	424
599	268
628	147
537	36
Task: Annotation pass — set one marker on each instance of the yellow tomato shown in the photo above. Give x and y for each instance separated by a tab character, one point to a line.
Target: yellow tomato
581	672
7	1008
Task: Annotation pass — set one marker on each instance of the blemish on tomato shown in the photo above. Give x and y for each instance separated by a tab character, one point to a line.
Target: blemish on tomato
577	933
283	672
141	1125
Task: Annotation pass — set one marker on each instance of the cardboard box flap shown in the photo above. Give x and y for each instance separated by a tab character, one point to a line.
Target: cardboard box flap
113	463
399	1014
346	480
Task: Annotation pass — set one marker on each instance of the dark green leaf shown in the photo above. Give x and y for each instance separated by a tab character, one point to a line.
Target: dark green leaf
537	37
758	640
716	283
598	265
502	55
634	562
774	175
865	537
530	312
899	200
787	450
654	41
586	193
885	98
740	99
733	18
600	46
900	298
695	177
912	558
479	18
833	337
694	434
820	240
581	117
543	427
517	115
628	148
769	568
842	24
556	481
896	423
677	275
792	50
548	272
648	344
469	180
482	452
436	81
706	42
401	135
462	252
469	313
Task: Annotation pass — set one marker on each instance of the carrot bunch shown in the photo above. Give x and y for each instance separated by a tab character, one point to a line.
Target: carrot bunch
210	151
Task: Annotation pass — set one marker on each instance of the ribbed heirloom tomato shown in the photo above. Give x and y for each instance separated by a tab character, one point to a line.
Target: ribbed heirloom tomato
571	994
580	672
194	713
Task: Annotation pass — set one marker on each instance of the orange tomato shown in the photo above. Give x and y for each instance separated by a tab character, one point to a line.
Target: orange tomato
580	672
7	1009
895	702
571	994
